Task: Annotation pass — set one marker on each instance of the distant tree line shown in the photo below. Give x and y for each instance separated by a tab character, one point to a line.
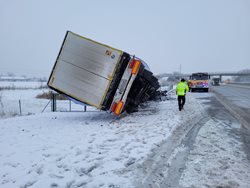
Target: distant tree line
242	78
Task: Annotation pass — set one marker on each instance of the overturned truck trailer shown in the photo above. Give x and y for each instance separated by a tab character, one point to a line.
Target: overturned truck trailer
101	76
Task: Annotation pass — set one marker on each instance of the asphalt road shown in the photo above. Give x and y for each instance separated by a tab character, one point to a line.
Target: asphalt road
236	98
235	95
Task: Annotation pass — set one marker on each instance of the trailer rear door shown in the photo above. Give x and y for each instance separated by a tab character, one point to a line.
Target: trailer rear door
84	69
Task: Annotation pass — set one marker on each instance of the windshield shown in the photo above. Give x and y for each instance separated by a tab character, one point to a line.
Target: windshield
199	77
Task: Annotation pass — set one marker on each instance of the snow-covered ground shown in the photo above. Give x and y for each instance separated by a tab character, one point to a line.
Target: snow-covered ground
73	149
16	94
22	85
24	96
31	105
27	97
217	160
96	149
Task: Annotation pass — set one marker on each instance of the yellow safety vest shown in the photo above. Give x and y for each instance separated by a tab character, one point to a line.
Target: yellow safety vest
181	88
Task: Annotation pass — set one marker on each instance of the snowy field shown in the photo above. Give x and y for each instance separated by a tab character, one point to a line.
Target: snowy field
96	149
22	85
29	103
26	94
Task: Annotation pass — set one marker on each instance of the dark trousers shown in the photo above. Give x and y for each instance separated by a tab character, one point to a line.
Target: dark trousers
181	101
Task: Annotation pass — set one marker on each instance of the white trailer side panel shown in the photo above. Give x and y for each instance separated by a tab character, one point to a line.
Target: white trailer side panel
84	69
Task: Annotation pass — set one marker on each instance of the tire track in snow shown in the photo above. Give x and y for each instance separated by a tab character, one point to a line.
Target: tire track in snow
164	166
179	160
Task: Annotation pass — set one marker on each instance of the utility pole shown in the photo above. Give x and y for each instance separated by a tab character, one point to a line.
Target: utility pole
180	68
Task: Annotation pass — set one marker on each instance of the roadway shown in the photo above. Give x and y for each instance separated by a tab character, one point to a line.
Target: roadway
201	152
236	97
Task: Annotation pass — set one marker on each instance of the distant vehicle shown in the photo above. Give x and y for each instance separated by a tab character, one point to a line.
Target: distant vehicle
101	76
216	81
198	82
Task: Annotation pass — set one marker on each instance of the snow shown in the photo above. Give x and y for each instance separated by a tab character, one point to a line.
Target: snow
97	149
9	102
92	148
22	84
29	103
218	157
13	92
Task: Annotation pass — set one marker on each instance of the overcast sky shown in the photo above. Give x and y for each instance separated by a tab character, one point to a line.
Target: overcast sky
196	35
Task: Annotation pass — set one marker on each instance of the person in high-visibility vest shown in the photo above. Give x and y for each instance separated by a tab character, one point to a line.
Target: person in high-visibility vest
181	90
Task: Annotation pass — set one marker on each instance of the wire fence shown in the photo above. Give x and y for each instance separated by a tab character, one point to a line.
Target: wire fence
11	106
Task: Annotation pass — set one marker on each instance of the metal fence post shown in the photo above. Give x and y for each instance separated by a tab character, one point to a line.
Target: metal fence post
53	104
20	107
70	105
